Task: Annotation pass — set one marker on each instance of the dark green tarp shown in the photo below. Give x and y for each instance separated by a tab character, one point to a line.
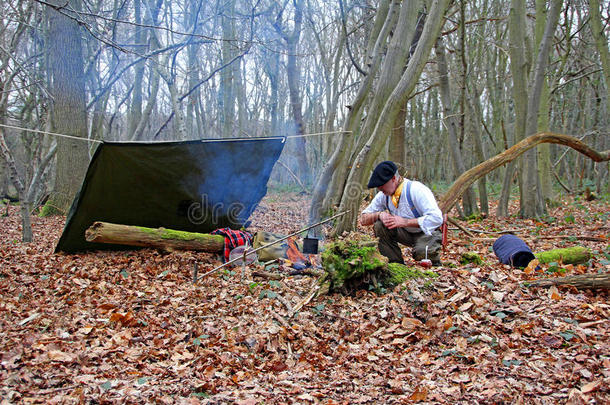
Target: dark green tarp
194	186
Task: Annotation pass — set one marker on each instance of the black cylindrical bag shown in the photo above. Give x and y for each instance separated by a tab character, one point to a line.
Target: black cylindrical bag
512	250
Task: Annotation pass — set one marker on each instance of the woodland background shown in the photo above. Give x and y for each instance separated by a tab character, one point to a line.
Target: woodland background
437	86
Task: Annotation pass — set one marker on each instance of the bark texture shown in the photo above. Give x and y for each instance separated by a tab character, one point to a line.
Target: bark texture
592	281
160	238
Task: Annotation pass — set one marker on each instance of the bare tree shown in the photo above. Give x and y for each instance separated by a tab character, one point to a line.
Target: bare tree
351	200
69	117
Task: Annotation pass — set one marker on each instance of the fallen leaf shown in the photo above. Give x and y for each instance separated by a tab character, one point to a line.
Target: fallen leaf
420	394
447	323
592	386
554	293
58	355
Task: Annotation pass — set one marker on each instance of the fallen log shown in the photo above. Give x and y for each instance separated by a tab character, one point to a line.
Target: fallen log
159	238
571	255
582	281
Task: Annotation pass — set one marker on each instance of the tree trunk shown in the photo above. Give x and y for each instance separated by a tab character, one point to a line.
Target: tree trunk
293	76
160	238
451	124
69	116
532	202
473	106
329	184
135	112
226	98
397	140
26	222
519	67
597	30
544	150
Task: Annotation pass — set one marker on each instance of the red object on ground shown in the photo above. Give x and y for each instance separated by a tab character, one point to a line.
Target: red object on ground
444	231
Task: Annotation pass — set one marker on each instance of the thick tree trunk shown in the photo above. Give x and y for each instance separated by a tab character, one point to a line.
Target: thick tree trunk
293	76
69	116
396	148
519	67
597	29
532	202
329	184
473	106
161	238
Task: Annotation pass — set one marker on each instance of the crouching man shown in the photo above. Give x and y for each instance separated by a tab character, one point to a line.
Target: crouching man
403	211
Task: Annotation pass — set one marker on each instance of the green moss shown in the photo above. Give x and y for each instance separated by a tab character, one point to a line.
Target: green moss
476	217
571	255
351	259
174	234
353	264
398	273
471	257
48	210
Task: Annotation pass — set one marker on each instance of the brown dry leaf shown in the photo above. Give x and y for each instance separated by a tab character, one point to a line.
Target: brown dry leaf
106	307
447	323
410	324
420	394
217	342
592	386
531	267
58	355
554	293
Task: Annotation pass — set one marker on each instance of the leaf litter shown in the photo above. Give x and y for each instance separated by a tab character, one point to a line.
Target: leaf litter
130	326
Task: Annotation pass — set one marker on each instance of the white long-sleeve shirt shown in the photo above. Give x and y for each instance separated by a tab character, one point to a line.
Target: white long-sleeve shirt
430	217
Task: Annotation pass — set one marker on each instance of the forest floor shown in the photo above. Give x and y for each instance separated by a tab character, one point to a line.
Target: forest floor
130	326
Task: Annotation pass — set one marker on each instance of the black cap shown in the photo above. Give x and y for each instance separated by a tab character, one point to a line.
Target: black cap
382	174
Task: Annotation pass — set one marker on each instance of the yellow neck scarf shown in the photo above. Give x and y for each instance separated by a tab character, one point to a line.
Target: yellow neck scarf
397	193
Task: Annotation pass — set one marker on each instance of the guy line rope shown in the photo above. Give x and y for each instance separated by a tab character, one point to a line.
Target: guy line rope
201	140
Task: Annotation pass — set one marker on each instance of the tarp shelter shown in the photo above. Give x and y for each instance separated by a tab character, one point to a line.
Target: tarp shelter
194	186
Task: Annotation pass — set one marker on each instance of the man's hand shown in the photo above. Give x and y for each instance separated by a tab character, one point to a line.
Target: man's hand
391	221
395	221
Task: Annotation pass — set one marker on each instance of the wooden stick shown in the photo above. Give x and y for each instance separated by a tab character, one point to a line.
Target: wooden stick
454	222
312	293
593	281
266	274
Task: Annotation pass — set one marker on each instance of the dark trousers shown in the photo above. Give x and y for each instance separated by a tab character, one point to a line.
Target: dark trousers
389	239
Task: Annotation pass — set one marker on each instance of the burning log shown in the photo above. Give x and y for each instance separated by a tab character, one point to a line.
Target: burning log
160	238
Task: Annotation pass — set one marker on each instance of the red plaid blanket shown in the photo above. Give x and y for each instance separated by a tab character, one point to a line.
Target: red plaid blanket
233	239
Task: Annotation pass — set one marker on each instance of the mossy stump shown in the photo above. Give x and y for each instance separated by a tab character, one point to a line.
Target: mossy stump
357	264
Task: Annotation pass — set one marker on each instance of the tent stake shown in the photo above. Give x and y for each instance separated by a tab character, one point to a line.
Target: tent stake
269	244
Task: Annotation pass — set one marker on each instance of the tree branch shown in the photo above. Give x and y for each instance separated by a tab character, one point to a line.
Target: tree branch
470	176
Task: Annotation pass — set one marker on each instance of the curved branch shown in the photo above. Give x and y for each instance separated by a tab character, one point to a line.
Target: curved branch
472	175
